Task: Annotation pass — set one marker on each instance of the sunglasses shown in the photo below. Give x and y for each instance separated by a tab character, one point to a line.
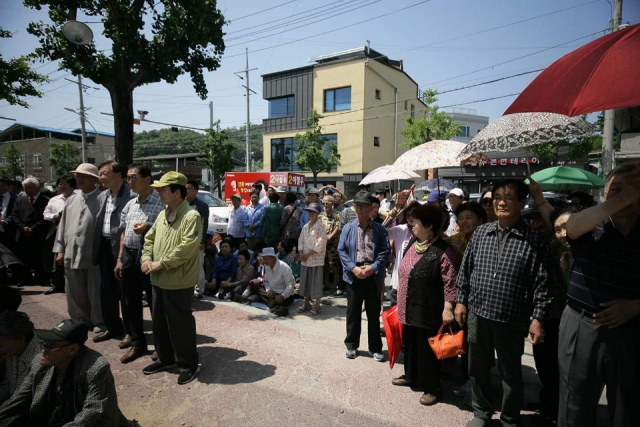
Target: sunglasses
486	201
50	348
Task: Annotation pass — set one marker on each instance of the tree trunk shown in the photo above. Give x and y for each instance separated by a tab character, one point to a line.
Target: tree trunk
122	104
217	179
315	179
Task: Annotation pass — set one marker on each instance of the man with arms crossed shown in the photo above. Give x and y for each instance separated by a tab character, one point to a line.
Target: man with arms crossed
170	256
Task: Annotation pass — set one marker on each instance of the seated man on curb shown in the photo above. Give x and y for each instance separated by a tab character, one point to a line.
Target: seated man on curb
224	269
70	384
276	288
18	347
232	290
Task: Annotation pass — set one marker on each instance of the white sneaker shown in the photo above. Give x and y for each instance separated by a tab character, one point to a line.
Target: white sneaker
378	357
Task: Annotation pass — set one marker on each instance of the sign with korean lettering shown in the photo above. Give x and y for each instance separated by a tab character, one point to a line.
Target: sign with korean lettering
242	183
503	161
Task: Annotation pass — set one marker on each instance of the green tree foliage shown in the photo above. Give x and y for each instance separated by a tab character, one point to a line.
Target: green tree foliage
548	153
166	141
17	80
433	124
64	157
219	157
311	149
151	41
14	164
238	137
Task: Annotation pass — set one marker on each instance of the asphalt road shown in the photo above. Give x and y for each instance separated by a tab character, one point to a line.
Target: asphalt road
261	370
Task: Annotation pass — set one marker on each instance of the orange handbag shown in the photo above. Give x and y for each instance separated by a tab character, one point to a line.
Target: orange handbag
448	344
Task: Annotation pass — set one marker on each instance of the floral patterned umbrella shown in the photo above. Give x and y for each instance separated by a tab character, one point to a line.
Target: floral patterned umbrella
432	184
387	173
524	129
431	155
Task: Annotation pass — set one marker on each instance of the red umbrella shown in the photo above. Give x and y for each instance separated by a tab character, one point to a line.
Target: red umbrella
393	333
601	75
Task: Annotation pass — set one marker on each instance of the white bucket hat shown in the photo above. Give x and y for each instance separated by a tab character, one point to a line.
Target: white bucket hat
87	169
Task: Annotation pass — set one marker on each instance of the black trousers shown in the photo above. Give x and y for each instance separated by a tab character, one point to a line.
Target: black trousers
110	290
358	292
591	356
546	357
421	366
133	283
30	251
174	327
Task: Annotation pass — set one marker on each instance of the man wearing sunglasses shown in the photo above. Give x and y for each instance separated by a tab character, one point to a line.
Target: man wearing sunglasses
69	383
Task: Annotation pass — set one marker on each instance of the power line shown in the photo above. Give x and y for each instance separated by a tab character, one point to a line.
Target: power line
336	29
253	27
518	58
263	10
365	3
491	81
500	26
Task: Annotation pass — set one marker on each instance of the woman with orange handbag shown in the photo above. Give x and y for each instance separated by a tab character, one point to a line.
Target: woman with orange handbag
426	295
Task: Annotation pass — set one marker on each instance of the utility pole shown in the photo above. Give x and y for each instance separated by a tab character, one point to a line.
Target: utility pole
82	119
248	95
610	115
211	114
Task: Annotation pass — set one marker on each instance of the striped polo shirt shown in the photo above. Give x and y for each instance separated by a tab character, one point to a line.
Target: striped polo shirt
606	266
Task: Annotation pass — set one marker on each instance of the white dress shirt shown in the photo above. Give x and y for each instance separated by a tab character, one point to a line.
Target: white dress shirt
279	279
56	205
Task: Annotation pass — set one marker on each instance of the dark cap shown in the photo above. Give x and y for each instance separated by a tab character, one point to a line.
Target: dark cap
362	196
71	330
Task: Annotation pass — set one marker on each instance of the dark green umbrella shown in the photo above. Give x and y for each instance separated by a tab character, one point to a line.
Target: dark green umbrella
566	178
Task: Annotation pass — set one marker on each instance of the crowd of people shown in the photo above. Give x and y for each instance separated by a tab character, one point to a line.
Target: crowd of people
115	241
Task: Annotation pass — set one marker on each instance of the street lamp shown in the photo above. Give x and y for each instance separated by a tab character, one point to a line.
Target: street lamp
79	34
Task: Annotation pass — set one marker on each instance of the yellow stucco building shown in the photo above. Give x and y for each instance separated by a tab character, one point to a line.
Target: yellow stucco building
364	98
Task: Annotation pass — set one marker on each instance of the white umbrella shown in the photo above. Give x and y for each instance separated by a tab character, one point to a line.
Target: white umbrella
387	173
431	155
521	130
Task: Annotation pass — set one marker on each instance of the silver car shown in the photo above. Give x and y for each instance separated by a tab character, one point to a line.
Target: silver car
218	211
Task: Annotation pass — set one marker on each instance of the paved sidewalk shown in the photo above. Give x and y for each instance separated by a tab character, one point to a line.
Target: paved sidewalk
261	370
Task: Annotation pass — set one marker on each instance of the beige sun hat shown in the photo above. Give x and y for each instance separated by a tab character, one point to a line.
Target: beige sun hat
87	169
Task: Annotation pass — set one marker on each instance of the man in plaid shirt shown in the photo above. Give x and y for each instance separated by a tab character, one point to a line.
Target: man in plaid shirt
136	218
502	283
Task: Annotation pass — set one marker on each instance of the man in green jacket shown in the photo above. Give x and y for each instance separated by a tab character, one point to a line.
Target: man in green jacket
170	256
271	221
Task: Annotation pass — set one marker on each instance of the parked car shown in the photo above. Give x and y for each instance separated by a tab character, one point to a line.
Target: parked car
219	211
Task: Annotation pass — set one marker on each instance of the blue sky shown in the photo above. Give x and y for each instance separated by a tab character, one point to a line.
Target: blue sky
445	44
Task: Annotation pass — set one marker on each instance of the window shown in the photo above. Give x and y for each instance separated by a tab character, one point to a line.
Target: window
464	132
406	105
37	161
91	160
413	110
281	107
283	153
337	99
376	141
378	94
3	161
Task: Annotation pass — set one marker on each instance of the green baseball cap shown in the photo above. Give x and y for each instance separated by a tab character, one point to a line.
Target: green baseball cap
171	178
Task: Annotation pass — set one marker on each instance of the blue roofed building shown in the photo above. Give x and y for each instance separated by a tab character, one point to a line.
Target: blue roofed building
33	142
